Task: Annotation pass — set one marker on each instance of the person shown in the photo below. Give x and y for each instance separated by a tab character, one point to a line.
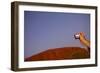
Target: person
83	40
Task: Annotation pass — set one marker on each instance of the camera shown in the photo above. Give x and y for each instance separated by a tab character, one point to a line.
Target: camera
77	36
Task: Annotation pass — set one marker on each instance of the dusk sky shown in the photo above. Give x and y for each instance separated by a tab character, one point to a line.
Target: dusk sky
47	30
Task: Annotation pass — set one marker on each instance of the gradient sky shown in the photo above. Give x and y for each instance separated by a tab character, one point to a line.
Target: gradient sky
45	30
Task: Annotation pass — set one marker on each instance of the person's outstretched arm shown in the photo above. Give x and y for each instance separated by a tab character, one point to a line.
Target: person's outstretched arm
83	40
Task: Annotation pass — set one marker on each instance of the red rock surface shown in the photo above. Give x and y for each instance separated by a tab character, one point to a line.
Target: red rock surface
60	54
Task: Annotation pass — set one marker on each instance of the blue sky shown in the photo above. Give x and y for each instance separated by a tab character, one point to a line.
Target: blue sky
45	30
